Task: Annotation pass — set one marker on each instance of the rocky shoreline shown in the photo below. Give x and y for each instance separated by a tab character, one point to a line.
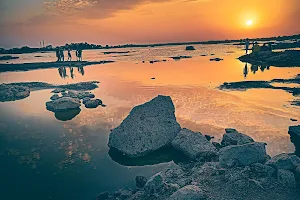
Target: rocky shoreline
288	58
236	168
46	65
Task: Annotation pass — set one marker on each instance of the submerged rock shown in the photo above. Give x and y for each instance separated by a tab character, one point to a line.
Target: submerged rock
63	104
189	192
286	178
284	161
140	181
233	137
147	128
190	48
243	155
194	145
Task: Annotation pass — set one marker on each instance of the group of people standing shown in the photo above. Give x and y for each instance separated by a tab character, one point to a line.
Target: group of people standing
61	57
256	48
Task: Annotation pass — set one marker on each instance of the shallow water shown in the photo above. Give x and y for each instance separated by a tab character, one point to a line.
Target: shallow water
46	158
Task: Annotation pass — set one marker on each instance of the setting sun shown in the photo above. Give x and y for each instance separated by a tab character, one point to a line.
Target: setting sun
249	22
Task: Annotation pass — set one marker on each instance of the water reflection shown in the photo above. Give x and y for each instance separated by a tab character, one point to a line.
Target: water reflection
163	155
67	115
62	71
254	68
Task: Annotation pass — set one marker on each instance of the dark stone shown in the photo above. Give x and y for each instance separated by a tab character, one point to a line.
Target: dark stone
103	196
190	48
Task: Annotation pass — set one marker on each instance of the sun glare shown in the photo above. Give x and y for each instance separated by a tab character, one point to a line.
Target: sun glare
249	22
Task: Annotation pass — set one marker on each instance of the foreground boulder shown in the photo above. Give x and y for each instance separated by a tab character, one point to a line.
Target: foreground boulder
243	155
233	137
284	161
147	128
63	104
189	192
194	145
155	184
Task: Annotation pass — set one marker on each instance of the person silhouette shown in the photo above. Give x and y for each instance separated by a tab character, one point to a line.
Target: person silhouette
71	72
246	71
247	44
57	54
62	56
69	55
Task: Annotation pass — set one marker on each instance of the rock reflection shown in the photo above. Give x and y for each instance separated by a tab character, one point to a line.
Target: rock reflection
67	115
163	155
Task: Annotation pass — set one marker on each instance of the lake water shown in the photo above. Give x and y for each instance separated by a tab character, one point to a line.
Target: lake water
43	157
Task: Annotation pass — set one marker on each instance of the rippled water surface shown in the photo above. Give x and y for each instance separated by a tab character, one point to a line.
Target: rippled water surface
43	157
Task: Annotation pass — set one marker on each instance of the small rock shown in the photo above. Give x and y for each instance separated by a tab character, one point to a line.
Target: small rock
194	145
232	137
92	103
286	178
189	192
190	48
58	90
63	104
293	120
152	78
216	59
284	161
140	181
243	155
155	183
85	99
82	95
54	97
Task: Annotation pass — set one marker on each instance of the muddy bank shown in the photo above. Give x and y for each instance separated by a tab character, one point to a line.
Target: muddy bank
245	85
236	168
45	65
288	58
17	91
8	57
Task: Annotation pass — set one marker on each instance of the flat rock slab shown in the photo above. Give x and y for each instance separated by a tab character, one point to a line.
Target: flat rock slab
243	155
147	128
194	145
233	137
63	104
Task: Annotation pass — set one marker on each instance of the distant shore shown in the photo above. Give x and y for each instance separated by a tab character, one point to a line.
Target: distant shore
45	65
86	46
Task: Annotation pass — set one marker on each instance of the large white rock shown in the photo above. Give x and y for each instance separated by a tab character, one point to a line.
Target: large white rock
284	161
189	192
233	137
63	104
243	155
147	128
193	144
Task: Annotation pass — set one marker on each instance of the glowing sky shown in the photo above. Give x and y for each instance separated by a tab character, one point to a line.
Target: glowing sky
26	22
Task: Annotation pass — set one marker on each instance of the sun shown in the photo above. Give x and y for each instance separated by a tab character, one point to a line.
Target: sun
249	22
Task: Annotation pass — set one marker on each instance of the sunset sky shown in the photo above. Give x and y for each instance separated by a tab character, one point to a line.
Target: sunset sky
26	22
